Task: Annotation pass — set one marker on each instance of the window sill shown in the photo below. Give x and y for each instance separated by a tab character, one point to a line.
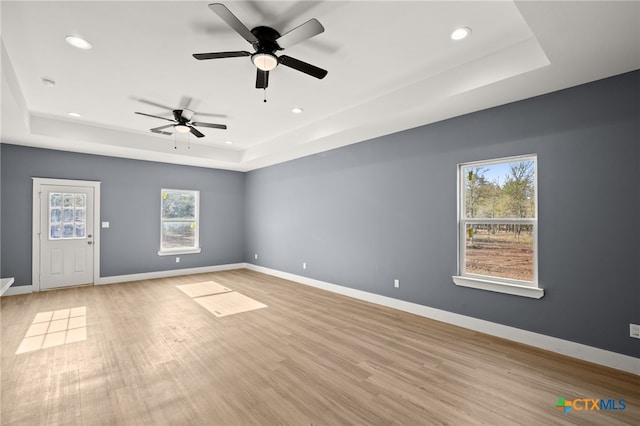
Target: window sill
176	252
499	287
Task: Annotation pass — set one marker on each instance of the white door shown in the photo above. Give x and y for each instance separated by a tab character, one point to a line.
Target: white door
66	235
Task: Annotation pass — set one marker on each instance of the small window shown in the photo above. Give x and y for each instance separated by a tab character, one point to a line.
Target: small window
67	216
179	227
497	221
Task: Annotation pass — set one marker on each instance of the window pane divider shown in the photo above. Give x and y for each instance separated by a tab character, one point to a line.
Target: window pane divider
527	221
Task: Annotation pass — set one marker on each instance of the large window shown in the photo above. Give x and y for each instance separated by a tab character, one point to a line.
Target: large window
497	222
179	227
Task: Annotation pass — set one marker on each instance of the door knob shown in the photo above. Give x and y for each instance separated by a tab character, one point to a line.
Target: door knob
89	242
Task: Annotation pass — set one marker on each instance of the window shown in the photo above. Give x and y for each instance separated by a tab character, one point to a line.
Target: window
67	216
179	225
498	226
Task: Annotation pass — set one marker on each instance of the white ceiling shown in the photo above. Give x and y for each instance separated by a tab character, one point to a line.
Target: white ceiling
391	64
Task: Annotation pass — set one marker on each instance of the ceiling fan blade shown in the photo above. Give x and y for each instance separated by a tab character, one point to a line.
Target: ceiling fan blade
212	125
185	101
262	79
219	55
155	129
155	116
209	114
304	67
161	132
228	17
155	104
196	132
300	33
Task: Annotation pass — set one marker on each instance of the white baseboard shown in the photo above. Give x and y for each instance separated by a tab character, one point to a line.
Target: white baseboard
565	347
21	289
26	289
169	273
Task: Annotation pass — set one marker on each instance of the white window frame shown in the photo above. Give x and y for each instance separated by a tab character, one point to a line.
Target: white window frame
196	219
492	283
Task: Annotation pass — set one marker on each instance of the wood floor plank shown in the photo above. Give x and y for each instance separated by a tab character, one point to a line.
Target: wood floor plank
153	356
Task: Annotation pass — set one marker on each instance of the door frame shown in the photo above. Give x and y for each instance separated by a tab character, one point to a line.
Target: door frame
36	230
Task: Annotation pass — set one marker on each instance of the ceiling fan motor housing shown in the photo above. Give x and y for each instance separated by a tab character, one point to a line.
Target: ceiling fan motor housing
266	39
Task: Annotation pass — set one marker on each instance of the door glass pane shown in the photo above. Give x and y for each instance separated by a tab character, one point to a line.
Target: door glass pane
67	215
500	250
55	231
56	215
55	199
80	230
81	200
67	200
67	230
81	215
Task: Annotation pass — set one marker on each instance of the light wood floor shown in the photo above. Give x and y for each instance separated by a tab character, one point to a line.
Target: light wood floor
154	356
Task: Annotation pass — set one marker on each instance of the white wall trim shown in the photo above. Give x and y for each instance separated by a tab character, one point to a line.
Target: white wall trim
169	273
21	289
499	287
26	289
576	350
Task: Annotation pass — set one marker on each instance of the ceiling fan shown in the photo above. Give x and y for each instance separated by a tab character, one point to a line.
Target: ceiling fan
266	42
182	120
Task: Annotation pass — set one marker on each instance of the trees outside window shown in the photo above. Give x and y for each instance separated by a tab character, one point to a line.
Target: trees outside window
179	226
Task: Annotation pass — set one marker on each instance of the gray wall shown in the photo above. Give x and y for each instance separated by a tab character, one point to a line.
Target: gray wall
130	201
363	215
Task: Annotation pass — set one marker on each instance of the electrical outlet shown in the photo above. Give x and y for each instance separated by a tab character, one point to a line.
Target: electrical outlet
304	265
396	283
255	256
634	331
177	259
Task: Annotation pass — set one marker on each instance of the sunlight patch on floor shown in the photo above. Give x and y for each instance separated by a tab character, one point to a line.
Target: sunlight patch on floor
218	299
230	303
55	328
205	288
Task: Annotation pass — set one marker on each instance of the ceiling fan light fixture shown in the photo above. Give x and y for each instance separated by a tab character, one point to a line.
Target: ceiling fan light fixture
460	33
181	128
78	42
264	61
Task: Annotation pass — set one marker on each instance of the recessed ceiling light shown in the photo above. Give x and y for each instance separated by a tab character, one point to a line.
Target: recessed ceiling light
48	81
74	114
460	33
78	42
228	142
297	110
